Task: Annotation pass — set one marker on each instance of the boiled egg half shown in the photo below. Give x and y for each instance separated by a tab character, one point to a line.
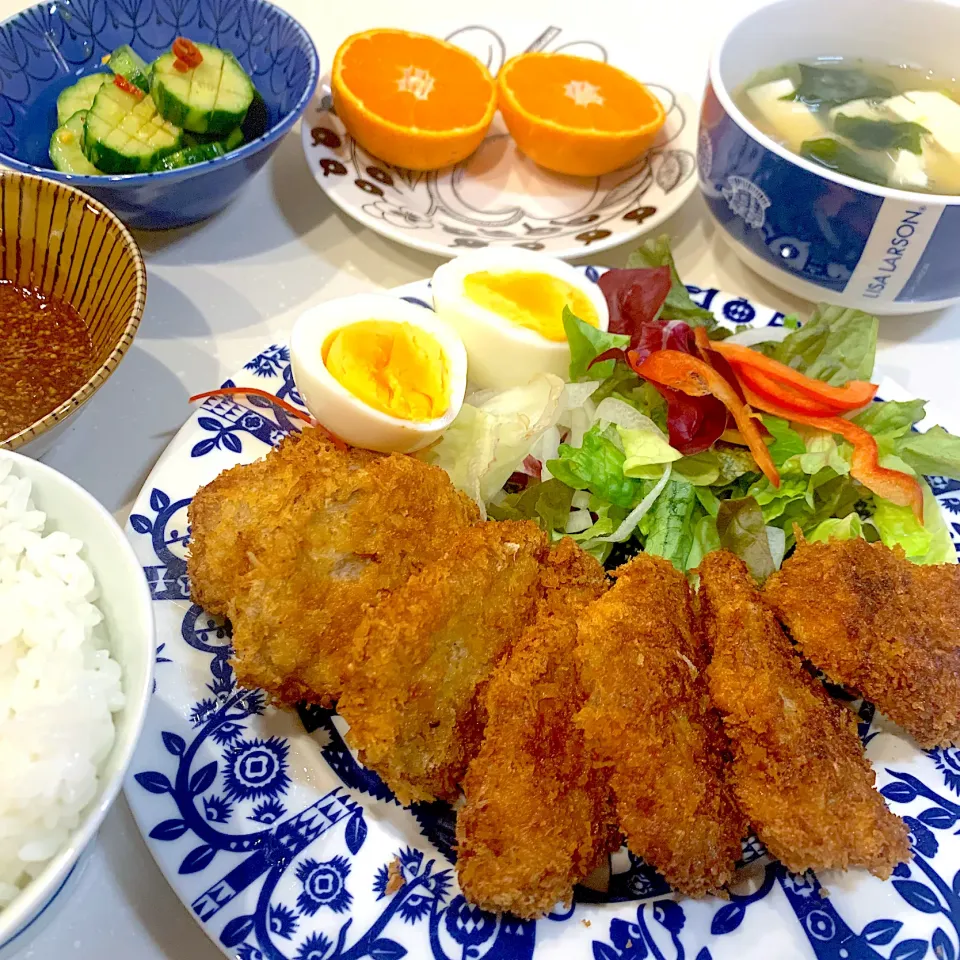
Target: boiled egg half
379	372
507	307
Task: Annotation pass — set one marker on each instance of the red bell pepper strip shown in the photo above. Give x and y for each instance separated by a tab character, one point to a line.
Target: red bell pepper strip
696	378
853	395
893	485
787	397
276	401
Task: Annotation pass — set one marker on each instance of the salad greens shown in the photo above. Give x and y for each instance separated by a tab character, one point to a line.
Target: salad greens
836	344
621	465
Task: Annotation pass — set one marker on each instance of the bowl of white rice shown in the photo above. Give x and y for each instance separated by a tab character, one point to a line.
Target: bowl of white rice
76	673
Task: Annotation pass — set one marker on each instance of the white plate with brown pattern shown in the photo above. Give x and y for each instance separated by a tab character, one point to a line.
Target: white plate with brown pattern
498	197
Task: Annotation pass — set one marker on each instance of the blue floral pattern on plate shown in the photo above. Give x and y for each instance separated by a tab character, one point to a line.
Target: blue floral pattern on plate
285	848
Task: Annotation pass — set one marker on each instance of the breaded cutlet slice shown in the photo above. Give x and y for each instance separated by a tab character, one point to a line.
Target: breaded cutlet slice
295	564
425	653
799	772
231	516
880	625
649	720
537	816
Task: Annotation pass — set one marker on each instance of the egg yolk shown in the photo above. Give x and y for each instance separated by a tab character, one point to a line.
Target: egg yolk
534	301
395	368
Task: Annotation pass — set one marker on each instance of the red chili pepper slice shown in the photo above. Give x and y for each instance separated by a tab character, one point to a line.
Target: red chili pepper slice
187	52
696	378
126	86
855	394
893	485
282	404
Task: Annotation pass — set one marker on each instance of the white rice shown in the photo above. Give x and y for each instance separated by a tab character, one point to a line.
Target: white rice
58	687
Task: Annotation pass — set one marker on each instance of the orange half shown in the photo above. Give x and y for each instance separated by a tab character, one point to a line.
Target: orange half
413	101
574	115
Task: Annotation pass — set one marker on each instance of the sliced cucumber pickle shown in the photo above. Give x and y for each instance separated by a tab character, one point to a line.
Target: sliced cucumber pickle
126	134
212	97
66	147
198	153
127	63
79	96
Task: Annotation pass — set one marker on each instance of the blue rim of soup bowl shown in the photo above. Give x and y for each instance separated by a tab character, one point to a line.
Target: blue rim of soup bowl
275	133
733	111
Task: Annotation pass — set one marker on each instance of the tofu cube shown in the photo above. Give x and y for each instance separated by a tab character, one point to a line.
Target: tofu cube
933	110
793	122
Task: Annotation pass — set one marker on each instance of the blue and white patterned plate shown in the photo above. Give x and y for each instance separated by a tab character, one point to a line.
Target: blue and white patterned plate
279	842
498	197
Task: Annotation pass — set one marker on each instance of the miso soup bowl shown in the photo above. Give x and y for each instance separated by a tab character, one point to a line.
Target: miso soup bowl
818	234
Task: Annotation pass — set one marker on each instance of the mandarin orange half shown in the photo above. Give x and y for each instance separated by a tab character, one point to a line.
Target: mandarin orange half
576	116
413	101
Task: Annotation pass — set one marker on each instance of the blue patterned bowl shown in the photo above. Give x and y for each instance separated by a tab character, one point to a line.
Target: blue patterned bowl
47	47
816	234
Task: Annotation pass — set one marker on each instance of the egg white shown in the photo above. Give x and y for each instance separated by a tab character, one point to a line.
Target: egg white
501	354
336	407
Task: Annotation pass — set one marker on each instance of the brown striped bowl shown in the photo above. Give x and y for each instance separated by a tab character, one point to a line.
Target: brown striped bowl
60	242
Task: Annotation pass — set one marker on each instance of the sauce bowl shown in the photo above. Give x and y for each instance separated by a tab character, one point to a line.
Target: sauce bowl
817	234
58	241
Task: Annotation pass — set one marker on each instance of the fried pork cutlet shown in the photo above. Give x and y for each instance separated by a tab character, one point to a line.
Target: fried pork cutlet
878	624
798	772
296	553
537	817
649	720
232	515
426	651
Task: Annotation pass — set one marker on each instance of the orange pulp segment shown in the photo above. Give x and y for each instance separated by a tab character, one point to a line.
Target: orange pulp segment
413	101
576	116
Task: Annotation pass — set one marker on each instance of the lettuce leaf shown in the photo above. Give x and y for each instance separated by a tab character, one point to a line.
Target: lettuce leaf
671	523
547	503
678	305
823	451
926	543
706	539
700	469
836	528
587	343
597	466
835	345
742	530
891	418
935	453
643	448
787	442
485	444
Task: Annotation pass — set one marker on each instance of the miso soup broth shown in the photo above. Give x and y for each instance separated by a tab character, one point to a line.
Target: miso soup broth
890	124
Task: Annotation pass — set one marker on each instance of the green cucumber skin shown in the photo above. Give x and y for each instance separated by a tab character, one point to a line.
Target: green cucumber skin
233	139
79	96
106	116
187	157
127	63
228	110
69	157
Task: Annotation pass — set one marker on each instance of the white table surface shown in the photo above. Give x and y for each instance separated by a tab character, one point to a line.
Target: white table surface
221	290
